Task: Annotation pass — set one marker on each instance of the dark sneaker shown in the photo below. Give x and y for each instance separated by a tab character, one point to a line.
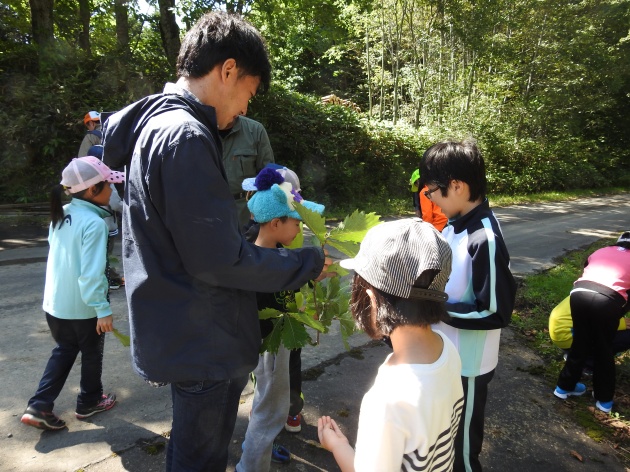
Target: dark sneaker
116	282
42	419
294	423
106	403
280	454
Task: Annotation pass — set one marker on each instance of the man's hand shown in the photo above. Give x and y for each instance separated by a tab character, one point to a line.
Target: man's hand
324	273
105	324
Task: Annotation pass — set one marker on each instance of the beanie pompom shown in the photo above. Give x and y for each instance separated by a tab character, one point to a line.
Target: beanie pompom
266	178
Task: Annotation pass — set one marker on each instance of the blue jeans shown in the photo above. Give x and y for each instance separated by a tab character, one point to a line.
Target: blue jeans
204	414
72	337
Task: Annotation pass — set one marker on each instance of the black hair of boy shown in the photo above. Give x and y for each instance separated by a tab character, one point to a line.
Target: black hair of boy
216	38
393	311
450	160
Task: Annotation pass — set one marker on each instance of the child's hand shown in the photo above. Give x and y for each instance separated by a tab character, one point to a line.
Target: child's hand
105	324
330	436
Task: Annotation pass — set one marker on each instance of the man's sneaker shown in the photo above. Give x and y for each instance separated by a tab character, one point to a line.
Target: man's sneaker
578	390
294	423
280	454
42	419
106	403
604	406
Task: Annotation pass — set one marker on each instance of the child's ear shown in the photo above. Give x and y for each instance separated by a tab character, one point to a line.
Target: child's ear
459	186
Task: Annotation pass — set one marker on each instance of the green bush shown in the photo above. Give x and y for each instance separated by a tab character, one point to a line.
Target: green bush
342	160
41	114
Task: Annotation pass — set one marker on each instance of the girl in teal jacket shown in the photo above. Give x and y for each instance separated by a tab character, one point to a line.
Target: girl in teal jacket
75	295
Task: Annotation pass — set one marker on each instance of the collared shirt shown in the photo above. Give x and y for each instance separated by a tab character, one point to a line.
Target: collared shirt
246	150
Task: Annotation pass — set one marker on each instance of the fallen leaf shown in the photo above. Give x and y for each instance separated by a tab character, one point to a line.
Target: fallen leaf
577	456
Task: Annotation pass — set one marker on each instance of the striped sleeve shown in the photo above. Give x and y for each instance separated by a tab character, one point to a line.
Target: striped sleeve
492	288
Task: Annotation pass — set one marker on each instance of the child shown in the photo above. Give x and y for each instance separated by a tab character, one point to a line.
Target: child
296	398
409	418
598	301
424	207
272	208
561	331
94	135
75	294
481	289
114	207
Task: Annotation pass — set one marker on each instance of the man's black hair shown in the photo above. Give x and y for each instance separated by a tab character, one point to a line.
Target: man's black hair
450	160
217	37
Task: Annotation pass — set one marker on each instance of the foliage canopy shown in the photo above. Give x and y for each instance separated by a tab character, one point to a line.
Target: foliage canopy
541	84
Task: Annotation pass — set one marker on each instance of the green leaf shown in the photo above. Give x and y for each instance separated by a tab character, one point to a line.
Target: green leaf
124	340
333	287
348	248
337	269
271	343
299	300
267	313
355	226
315	221
294	334
298	242
309	321
347	328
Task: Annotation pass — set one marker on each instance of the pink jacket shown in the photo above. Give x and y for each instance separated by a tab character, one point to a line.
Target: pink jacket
609	266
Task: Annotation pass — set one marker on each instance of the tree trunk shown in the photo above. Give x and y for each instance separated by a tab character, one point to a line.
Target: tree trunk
122	26
169	30
382	97
84	18
369	77
42	22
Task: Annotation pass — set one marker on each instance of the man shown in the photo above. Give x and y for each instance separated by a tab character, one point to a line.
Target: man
190	275
246	151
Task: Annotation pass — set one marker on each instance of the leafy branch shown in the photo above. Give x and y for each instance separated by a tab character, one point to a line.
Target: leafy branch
318	304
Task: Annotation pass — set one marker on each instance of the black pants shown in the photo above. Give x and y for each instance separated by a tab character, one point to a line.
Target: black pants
469	437
72	337
296	402
595	321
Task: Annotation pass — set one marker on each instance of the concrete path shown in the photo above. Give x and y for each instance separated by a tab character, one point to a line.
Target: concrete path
527	428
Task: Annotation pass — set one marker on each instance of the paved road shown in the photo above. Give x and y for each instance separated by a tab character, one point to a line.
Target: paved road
536	234
526	428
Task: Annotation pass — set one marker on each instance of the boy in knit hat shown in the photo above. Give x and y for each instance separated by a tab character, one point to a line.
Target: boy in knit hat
272	207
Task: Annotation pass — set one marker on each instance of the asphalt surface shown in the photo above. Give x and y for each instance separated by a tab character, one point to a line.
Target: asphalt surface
527	428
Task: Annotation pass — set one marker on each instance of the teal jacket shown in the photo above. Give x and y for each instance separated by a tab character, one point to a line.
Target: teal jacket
76	286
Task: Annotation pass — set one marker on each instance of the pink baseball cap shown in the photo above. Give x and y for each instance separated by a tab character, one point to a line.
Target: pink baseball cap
83	172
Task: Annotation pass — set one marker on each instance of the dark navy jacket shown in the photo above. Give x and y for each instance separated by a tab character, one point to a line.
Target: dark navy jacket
190	275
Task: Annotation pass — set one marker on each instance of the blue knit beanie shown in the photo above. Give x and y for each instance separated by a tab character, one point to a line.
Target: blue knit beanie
275	197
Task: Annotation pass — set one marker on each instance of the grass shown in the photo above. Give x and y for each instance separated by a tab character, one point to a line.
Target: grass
536	297
556	196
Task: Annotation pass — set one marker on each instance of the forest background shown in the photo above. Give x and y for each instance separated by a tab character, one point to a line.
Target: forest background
542	85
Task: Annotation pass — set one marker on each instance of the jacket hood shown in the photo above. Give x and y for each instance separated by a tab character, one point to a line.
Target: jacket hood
122	129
